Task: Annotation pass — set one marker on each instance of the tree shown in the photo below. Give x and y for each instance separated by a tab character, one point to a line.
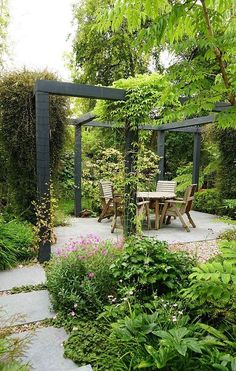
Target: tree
203	32
4	18
103	58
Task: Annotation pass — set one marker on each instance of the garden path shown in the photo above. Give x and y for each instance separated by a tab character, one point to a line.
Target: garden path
44	350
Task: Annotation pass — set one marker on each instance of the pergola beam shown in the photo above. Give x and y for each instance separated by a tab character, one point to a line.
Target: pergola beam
100	124
188	123
79	90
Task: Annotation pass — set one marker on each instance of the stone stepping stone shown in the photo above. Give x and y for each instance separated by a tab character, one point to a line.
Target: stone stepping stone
30	275
25	307
45	350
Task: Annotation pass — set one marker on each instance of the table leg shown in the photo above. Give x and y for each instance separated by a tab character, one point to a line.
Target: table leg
157	215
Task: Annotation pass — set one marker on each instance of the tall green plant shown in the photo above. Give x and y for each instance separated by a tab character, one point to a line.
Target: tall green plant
17	133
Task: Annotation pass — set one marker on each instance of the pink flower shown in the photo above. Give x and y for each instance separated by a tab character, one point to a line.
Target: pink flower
104	252
91	275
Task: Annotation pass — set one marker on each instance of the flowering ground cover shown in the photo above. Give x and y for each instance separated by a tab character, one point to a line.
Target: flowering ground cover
136	305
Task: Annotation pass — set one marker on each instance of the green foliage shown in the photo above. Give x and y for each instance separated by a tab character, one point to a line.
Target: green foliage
102	58
227	171
208	201
88	344
79	278
17	134
201	34
11	348
184	177
178	153
229	208
106	164
143	94
17	243
144	342
213	284
146	266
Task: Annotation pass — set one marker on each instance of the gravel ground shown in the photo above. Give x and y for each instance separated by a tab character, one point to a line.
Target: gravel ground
201	250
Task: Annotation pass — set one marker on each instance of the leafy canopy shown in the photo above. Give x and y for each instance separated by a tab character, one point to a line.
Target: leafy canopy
201	34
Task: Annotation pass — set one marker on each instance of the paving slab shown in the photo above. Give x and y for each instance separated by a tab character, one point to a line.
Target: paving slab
22	276
44	350
207	229
25	307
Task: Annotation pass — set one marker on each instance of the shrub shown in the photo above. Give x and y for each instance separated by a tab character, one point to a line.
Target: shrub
146	266
142	341
17	243
229	208
212	287
208	201
79	278
17	124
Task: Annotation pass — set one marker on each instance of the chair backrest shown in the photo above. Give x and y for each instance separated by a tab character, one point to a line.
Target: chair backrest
106	190
188	198
166	186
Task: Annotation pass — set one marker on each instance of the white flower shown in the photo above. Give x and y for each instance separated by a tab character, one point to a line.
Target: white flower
75	329
180	312
125	299
174	319
175	305
120	280
113	300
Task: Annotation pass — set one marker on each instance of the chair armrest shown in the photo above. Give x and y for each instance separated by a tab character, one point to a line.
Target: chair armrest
142	203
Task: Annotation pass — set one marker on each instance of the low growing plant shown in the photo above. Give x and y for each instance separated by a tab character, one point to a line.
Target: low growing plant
146	266
79	278
212	286
17	243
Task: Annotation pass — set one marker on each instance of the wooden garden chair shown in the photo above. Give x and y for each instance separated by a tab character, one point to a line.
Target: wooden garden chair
166	186
142	208
179	207
106	191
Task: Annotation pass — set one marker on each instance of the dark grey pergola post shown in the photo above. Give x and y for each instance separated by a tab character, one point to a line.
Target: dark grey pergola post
78	170
43	166
42	90
196	157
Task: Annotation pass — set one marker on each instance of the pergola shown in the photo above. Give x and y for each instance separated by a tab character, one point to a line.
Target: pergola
188	126
43	88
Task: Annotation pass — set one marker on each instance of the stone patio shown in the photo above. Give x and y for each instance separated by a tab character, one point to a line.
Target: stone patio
208	228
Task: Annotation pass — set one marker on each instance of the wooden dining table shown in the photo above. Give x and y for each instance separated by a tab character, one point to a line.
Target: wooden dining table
157	197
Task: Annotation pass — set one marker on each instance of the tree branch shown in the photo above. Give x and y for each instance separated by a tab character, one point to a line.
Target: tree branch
218	53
